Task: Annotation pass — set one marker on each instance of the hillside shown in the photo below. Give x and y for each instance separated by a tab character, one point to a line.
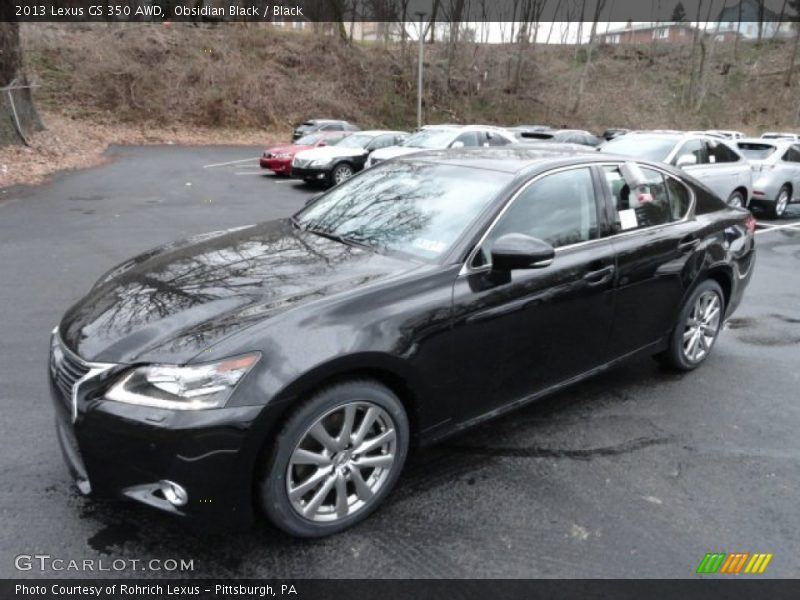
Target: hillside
182	80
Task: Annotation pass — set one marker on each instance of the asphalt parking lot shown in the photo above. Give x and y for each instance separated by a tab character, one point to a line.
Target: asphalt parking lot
637	473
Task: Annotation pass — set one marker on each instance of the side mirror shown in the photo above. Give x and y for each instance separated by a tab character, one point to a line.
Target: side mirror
518	251
458	144
323	143
685	160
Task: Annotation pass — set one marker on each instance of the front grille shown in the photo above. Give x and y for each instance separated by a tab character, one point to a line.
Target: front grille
68	368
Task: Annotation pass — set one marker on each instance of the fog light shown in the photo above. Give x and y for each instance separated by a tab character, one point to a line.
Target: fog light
174	493
321	176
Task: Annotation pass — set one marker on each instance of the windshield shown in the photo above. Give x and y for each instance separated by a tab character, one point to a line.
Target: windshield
309	140
419	209
356	141
641	146
430	138
755	150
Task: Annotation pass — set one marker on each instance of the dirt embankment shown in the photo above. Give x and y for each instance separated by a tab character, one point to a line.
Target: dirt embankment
135	83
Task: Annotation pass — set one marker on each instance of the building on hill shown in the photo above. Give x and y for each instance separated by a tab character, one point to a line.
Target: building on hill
744	17
645	33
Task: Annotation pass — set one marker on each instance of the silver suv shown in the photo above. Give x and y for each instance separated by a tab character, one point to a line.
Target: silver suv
713	161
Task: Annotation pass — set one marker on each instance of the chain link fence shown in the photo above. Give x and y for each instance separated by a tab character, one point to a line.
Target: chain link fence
18	117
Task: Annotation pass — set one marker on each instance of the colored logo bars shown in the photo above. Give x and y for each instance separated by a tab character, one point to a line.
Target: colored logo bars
719	562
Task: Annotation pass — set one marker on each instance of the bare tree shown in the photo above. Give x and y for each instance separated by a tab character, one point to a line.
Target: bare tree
588	64
432	26
17	113
795	4
654	40
738	34
708	44
454	12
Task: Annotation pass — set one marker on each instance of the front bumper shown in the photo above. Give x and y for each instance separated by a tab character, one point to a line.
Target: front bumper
310	173
761	202
118	450
277	165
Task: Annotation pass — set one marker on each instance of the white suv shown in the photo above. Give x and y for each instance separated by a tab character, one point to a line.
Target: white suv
713	161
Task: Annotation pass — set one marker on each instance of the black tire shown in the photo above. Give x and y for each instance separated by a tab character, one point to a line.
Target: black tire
776	212
273	488
737	199
675	356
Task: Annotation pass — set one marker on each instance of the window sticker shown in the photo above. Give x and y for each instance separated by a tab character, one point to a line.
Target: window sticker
627	219
430	245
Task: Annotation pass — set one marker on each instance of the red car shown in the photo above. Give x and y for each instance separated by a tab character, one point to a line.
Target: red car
279	159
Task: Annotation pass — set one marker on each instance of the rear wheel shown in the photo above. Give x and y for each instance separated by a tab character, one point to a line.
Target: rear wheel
336	459
736	199
781	202
698	326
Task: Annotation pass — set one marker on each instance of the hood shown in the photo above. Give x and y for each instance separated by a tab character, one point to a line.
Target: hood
171	304
290	149
394	151
331	152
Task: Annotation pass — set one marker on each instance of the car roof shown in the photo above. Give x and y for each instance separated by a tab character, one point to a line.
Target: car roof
325	121
467	127
376	132
514	158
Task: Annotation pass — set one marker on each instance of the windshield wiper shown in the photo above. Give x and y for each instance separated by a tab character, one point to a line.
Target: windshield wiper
342	239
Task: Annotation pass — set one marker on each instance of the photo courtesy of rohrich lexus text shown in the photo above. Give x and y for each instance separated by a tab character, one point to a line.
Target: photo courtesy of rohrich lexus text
400	299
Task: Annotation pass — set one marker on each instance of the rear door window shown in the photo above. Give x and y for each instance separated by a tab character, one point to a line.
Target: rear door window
720	153
648	203
494	139
792	155
470	138
696	148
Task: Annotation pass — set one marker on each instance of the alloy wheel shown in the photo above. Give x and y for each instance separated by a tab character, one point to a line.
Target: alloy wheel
782	202
702	326
341	462
342	173
736	200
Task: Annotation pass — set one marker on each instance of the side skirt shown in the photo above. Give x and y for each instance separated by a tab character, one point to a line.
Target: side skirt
441	431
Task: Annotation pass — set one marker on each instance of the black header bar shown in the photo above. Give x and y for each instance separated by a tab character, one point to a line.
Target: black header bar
473	11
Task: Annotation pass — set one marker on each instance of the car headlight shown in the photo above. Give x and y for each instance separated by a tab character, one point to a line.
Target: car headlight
191	387
283	155
321	162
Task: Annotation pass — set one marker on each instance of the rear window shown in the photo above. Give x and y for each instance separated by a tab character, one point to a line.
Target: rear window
755	150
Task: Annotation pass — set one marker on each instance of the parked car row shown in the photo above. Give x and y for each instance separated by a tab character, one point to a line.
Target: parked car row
760	173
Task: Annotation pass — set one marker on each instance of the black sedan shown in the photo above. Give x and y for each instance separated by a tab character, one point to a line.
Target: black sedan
286	367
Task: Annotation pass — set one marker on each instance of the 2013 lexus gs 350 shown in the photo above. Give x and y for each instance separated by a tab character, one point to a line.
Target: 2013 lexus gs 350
286	367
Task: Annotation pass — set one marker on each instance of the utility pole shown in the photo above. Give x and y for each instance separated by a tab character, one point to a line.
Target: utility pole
421	16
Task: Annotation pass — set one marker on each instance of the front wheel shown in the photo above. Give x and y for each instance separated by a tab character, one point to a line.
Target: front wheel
341	172
698	326
736	199
781	203
335	460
